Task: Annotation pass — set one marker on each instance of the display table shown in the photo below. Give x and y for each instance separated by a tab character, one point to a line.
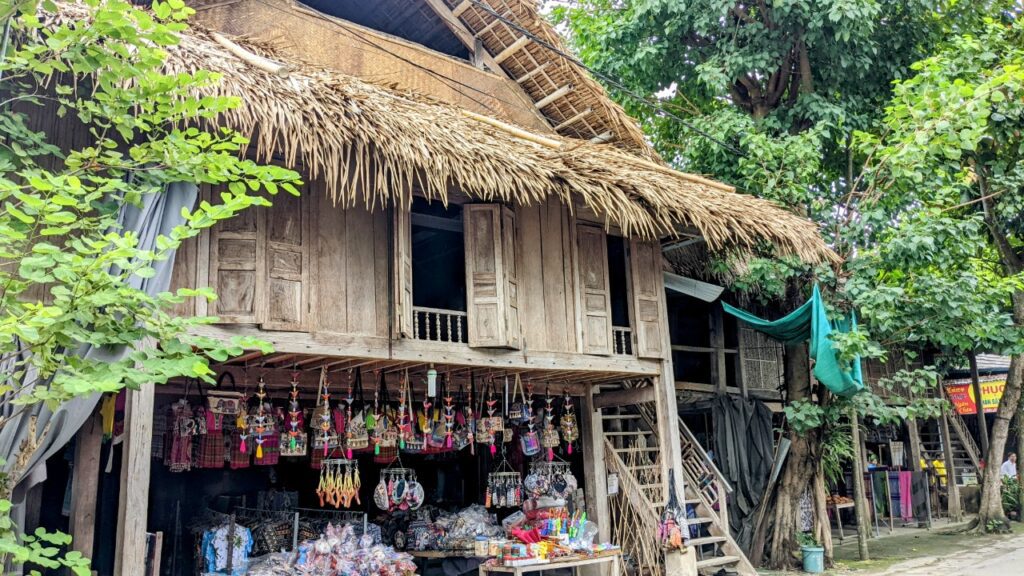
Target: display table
839	519
612	558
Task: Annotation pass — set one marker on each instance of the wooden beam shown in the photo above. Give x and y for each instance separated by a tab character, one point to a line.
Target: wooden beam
133	504
574	119
85	485
602	137
451	20
553	96
667	407
511	49
719	372
625	397
533	72
462	7
952	490
378	348
595	486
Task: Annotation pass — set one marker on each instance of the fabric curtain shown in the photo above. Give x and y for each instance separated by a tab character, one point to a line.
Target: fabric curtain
810	322
744	455
158	215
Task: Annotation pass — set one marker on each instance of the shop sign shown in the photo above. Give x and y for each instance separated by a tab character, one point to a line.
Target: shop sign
962	396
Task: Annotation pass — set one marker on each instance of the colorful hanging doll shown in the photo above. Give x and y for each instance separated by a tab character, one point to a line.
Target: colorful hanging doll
570	430
260	421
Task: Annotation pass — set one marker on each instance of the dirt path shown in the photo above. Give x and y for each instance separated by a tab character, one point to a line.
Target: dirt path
937	554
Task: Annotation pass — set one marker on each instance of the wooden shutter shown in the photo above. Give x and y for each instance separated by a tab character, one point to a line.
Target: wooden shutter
403	272
492	287
511	261
236	267
287	248
595	294
645	260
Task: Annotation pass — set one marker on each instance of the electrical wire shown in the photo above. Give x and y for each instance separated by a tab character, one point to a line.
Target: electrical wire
606	78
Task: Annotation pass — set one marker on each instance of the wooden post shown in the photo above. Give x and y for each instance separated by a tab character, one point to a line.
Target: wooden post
668	410
979	407
859	497
133	505
952	490
85	485
718	369
595	486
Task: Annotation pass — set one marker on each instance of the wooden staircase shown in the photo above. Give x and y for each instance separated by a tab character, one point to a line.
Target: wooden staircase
632	451
965	451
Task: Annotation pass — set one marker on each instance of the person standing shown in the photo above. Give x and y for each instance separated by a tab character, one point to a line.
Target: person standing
1009	468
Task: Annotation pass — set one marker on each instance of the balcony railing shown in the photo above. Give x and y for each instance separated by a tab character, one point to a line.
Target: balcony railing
439	325
622	340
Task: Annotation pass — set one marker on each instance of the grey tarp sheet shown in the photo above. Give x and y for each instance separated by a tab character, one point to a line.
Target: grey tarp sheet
743	452
157	215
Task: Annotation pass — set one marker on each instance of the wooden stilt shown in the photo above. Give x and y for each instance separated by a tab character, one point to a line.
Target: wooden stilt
85	485
133	505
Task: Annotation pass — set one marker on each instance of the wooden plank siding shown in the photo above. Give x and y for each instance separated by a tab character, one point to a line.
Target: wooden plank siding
346	288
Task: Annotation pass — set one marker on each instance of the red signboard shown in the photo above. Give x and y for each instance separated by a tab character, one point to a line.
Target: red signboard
962	396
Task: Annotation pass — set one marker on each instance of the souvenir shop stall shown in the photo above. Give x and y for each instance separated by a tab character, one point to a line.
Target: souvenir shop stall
370	472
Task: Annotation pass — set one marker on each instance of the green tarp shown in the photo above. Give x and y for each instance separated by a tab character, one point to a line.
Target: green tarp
810	322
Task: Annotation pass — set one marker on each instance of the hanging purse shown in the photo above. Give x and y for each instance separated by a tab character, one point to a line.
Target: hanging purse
529	441
356	435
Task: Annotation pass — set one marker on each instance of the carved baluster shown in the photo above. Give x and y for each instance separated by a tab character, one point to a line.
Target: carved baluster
416	324
458	329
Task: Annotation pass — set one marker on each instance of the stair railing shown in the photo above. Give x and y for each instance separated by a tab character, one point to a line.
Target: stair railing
702	474
960	428
639	540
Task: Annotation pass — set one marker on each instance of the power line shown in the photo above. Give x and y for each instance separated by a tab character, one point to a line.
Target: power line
612	81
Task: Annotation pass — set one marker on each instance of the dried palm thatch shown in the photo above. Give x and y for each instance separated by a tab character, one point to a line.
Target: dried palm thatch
371	145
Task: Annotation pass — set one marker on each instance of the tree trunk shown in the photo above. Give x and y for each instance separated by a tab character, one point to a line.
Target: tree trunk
991	517
1020	465
797	473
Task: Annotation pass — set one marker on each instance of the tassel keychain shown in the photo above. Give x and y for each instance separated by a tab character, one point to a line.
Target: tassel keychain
261	417
348	416
293	414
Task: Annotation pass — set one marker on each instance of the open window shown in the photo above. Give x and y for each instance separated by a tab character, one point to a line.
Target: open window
456	275
618	295
438	267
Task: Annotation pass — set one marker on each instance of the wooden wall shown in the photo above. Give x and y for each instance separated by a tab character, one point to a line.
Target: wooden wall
374	57
306	266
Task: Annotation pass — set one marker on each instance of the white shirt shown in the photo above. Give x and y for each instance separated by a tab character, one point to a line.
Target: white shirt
1008	469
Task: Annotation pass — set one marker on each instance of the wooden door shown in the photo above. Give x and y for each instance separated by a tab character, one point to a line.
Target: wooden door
645	261
492	286
595	293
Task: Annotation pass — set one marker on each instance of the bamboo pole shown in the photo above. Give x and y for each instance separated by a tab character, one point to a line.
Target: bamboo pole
859	498
254	60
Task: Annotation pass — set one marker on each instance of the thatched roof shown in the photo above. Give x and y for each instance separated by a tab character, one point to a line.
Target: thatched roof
370	145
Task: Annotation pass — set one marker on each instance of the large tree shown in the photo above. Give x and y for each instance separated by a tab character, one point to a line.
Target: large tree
952	155
782	87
